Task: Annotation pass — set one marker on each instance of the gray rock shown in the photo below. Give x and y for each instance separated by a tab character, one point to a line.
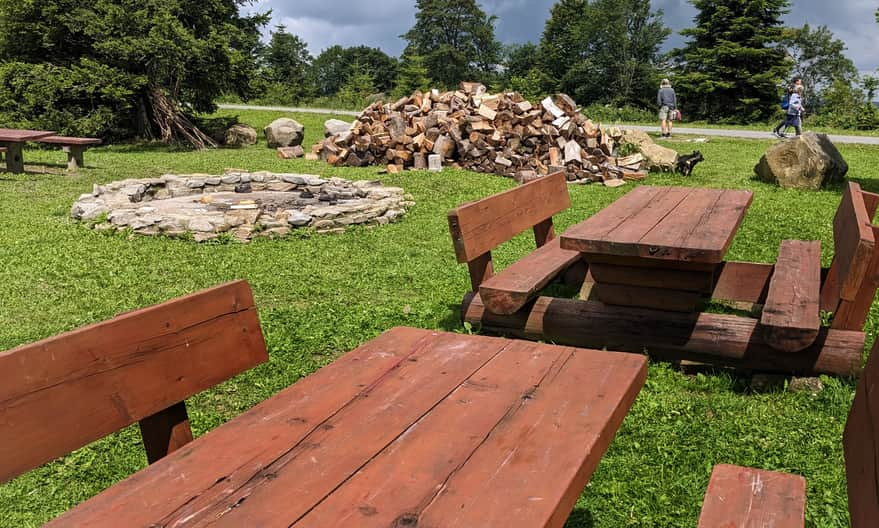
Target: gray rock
201	224
195	184
212	181
333	127
284	132
239	135
298	218
230	178
810	161
812	385
298	179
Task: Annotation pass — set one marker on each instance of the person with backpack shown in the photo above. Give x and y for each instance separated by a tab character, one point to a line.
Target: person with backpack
668	103
792	104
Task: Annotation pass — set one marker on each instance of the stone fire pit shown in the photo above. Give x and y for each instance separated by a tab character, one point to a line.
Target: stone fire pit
242	204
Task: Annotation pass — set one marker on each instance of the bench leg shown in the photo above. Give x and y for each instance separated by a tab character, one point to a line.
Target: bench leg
74	156
14	161
165	432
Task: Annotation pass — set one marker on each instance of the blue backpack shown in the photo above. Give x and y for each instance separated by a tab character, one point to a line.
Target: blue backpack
785	102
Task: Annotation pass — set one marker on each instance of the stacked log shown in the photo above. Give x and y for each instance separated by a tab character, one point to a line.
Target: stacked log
493	133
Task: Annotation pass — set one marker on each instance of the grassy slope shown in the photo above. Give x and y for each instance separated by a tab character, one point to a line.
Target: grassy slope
320	296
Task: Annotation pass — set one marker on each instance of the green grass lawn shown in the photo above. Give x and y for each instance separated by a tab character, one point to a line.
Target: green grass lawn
320	296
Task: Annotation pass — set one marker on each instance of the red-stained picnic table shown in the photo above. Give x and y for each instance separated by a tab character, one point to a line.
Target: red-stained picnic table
12	140
414	428
658	247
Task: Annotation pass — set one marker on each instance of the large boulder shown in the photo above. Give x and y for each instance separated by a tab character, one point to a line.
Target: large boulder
284	132
807	162
239	135
333	127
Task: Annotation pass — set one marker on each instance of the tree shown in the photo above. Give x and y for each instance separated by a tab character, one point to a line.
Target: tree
142	65
604	50
288	62
819	59
411	76
333	68
519	59
732	64
456	40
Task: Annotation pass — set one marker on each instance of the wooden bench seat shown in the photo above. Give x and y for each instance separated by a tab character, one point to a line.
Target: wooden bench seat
509	290
479	227
747	497
73	146
791	318
67	391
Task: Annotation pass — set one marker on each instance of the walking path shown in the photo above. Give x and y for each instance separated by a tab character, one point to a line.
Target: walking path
721	132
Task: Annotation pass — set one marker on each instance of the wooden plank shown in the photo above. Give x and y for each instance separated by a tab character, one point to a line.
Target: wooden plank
711	338
66	140
722	224
647	265
643	297
742	281
861	447
480	270
852	315
670	238
854	242
509	290
250	441
624	240
747	497
401	480
791	317
659	278
479	227
100	378
582	236
565	426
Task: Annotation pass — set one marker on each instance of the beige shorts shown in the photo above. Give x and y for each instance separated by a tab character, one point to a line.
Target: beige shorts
665	113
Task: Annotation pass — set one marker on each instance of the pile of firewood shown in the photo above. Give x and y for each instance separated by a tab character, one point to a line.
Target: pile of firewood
495	133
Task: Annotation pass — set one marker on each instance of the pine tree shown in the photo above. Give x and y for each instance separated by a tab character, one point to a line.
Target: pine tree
412	76
456	39
732	64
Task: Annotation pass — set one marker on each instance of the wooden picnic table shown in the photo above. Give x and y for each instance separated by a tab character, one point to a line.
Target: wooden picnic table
658	247
413	428
13	139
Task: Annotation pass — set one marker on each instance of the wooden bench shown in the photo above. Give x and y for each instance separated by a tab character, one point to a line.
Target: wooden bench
740	496
64	392
479	227
73	146
791	318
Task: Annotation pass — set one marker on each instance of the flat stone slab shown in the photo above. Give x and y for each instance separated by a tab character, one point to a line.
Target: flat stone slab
243	204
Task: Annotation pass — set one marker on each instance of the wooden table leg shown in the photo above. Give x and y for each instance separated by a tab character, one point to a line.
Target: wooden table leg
14	161
74	156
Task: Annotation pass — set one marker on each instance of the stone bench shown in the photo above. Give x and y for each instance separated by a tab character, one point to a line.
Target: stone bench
73	146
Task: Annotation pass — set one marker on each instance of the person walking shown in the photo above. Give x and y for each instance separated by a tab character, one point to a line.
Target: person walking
793	117
668	103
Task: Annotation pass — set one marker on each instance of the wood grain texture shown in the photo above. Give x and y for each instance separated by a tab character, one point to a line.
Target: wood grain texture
852	315
861	447
509	290
165	432
854	242
791	317
658	278
742	281
82	385
387	433
665	223
711	338
742	497
66	140
479	227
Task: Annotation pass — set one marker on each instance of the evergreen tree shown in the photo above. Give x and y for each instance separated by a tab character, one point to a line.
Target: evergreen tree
124	66
732	65
288	62
604	50
456	40
412	76
335	65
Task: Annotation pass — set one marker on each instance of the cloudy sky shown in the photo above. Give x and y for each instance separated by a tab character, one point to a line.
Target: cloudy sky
323	23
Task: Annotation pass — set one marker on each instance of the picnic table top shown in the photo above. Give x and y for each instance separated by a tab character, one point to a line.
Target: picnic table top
668	223
413	428
16	135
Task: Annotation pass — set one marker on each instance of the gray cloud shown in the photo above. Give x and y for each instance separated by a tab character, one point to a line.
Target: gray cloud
323	23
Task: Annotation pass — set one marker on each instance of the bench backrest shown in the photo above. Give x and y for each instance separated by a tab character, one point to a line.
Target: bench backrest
479	227
64	392
851	281
861	446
